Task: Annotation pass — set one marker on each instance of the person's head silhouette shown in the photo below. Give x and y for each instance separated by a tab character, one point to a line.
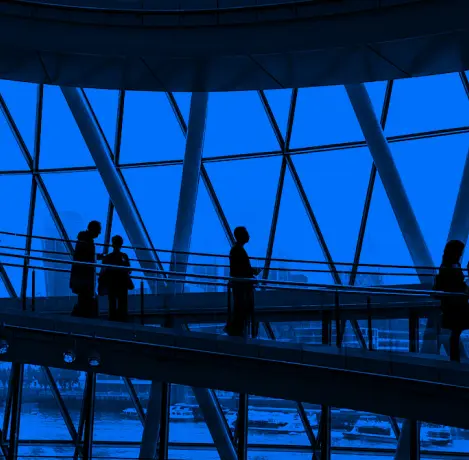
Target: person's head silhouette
94	228
453	252
241	235
117	242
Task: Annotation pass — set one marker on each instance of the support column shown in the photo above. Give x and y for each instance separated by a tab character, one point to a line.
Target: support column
189	185
181	246
99	150
408	224
459	229
17	370
390	177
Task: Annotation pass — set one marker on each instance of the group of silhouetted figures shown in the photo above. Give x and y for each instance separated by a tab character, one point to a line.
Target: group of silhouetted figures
115	282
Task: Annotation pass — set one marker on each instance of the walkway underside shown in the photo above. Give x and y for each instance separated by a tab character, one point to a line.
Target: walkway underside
252	48
406	386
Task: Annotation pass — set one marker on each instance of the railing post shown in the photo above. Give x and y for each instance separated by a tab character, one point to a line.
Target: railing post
413	332
370	324
325	433
33	289
338	338
142	304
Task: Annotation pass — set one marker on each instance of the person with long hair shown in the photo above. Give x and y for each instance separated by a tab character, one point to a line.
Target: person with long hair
455	309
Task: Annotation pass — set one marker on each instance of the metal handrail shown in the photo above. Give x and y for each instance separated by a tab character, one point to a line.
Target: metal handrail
206	254
178	277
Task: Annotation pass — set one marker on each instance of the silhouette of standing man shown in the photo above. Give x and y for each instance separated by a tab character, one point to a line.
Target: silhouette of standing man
82	277
115	282
243	292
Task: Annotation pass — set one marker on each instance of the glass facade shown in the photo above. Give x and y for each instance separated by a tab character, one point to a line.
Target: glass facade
290	165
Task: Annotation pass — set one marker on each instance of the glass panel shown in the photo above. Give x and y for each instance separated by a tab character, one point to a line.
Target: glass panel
62	144
275	421
21	100
113	407
247	197
324	116
295	239
187	422
207	237
15	209
51	283
236	124
384	244
11	158
158	205
424	167
40	414
104	103
279	101
336	184
150	131
79	197
426	104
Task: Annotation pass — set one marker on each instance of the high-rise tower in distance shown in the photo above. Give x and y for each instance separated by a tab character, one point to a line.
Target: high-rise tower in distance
57	283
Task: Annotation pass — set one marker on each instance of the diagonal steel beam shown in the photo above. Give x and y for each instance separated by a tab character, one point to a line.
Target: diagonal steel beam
33	194
61	404
135	399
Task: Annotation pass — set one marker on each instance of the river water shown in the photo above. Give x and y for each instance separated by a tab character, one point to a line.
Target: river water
48	426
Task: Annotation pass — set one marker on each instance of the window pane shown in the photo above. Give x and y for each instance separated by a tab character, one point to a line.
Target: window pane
295	239
236	124
427	104
62	144
336	184
104	104
21	101
150	130
247	197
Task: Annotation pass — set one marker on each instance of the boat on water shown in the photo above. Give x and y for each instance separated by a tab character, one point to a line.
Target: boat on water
177	413
436	435
371	429
268	422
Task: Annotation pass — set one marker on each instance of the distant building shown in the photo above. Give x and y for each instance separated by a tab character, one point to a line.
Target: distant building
57	283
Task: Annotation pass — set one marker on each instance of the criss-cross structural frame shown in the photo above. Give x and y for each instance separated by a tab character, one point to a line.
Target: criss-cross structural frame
155	440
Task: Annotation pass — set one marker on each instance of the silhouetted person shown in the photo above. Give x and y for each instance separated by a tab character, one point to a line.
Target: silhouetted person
243	292
82	277
116	283
450	278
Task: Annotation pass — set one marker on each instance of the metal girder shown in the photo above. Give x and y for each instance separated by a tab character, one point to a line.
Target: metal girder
135	399
90	396
100	151
18	372
459	229
61	404
390	177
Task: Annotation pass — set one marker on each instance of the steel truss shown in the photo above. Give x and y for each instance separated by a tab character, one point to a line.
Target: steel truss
13	404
